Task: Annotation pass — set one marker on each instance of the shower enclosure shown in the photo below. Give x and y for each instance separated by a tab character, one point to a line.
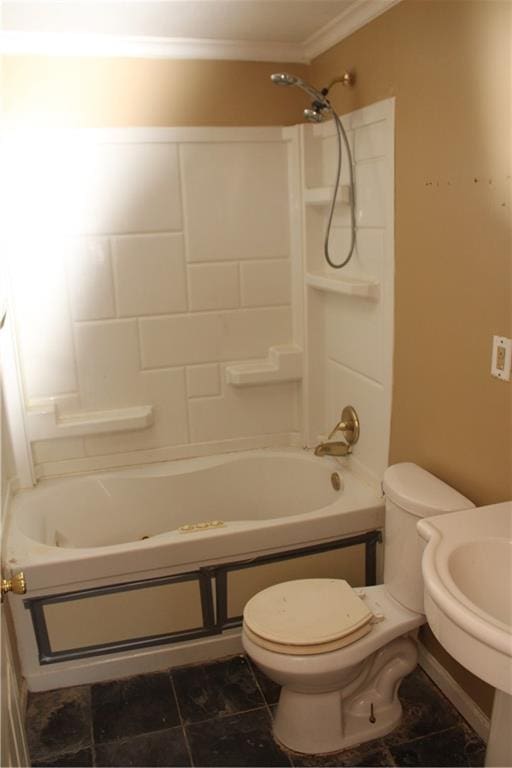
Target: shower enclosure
169	299
169	295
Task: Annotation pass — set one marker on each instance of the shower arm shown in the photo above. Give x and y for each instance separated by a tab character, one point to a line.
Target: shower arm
347	78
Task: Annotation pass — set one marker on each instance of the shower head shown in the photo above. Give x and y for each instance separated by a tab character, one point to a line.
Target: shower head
313	115
283	78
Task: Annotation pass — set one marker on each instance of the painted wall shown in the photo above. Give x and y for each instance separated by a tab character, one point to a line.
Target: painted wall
134	92
448	65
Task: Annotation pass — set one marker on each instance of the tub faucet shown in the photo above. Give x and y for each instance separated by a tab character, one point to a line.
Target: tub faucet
349	425
333	449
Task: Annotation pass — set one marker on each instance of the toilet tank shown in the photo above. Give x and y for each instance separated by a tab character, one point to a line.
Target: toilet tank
411	494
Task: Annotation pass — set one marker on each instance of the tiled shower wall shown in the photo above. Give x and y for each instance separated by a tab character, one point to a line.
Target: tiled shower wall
149	259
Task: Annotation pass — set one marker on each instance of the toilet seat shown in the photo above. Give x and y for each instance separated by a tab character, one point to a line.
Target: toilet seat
306	616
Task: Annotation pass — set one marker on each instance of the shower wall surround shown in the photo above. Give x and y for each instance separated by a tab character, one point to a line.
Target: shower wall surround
349	312
154	258
150	260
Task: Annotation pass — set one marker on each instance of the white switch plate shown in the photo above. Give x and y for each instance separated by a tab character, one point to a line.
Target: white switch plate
501	357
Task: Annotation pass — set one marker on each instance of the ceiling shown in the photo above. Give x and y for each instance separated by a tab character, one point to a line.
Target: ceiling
285	30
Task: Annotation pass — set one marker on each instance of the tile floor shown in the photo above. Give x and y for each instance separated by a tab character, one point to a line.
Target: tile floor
219	714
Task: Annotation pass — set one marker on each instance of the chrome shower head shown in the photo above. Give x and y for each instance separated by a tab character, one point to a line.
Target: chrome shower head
313	115
283	78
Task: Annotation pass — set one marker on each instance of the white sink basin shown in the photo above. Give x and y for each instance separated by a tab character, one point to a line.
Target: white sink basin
467	575
476	567
467	578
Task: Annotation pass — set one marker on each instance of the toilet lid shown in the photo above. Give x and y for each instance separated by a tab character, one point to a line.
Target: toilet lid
306	612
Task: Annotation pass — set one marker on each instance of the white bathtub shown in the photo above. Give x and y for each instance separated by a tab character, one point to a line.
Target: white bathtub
92	527
85	532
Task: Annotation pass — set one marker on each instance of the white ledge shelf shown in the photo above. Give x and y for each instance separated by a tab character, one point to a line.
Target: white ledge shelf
44	422
284	364
322	196
348	286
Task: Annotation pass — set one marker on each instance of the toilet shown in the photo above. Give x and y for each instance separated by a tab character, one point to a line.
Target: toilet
340	653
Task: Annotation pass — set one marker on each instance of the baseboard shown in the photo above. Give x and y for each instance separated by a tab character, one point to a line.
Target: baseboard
454	693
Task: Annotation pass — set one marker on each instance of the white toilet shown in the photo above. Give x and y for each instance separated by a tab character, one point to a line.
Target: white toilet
340	653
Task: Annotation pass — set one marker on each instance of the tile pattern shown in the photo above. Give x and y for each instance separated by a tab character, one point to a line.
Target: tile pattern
220	688
137	705
220	714
243	739
160	748
59	721
173	254
79	759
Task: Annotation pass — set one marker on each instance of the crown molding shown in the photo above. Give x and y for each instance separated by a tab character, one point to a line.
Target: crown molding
358	14
129	46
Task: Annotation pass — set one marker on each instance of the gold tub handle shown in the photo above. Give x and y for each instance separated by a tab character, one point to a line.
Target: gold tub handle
16	584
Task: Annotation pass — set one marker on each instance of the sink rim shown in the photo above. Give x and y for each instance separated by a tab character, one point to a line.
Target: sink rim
443	538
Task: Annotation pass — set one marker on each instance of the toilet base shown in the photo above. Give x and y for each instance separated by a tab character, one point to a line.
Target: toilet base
365	709
297	729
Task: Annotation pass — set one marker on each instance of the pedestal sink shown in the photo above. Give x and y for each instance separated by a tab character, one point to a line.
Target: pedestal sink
467	576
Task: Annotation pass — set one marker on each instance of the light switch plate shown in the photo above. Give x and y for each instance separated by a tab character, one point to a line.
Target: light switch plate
501	357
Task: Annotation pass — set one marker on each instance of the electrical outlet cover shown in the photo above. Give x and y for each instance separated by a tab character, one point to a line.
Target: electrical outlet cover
501	357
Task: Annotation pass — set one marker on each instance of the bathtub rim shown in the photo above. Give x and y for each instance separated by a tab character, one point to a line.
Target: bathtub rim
183	468
48	567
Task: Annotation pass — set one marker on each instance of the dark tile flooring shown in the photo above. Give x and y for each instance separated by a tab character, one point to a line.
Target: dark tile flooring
220	714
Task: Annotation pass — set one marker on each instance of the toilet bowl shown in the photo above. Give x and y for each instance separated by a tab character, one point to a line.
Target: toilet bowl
340	653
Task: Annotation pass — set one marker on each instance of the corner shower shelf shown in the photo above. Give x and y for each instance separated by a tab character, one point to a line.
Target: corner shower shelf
322	196
284	364
44	423
348	286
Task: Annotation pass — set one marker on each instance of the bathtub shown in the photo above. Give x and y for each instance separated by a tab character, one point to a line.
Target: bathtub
185	524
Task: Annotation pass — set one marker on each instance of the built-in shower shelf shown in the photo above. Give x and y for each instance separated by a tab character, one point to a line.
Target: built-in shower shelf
348	286
283	364
44	422
322	196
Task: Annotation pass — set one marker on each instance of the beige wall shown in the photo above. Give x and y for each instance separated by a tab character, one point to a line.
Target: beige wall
448	65
135	92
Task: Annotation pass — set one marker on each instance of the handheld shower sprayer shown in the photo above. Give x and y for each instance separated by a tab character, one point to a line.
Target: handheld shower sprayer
320	101
283	78
321	106
313	115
